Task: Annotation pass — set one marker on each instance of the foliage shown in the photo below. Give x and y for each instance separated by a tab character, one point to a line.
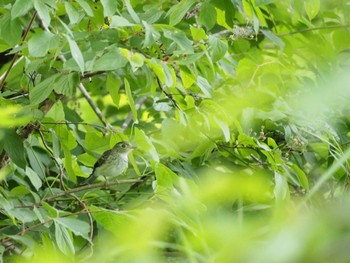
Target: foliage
238	109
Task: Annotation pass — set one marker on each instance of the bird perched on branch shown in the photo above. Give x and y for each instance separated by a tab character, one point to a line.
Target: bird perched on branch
112	162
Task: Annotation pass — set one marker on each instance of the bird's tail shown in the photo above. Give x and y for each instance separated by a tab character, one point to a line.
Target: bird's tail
89	180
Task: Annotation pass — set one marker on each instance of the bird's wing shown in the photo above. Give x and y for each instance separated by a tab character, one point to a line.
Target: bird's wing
98	163
101	160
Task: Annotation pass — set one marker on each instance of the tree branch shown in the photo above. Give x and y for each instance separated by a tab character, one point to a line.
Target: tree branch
88	187
170	97
95	108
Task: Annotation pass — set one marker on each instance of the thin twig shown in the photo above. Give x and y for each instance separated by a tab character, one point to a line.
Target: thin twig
14	59
311	29
58	164
170	97
88	187
74	123
95	108
91	102
88	213
91	74
226	31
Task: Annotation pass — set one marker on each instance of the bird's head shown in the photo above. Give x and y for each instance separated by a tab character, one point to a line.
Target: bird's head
123	147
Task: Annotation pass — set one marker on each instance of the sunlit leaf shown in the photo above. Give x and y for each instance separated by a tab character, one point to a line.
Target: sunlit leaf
39	44
207	15
43	11
76	53
41	91
312	7
109	7
131	100
86	7
73	14
10	30
178	11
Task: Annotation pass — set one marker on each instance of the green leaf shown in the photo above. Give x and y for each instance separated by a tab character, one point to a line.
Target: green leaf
41	91
68	164
56	113
131	100
178	11
76	53
264	2
39	43
73	14
187	77
224	127
86	7
34	178
13	145
170	79
135	59
312	7
180	38
276	40
11	116
131	11
64	239
66	136
78	227
207	15
66	84
113	221
281	191
143	142
198	34
109	7
10	30
43	12
151	35
21	7
204	85
217	48
302	177
112	60
157	68
36	163
166	179
119	21
113	86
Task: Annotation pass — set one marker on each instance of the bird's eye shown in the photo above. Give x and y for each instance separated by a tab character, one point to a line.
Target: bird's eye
123	145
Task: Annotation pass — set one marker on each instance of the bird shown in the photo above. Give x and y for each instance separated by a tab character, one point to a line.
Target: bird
112	163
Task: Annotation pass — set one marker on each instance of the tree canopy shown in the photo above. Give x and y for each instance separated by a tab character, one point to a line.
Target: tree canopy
238	108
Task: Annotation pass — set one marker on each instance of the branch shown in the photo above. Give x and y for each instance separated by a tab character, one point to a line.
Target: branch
88	187
88	213
170	97
91	74
311	29
73	123
91	102
95	108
